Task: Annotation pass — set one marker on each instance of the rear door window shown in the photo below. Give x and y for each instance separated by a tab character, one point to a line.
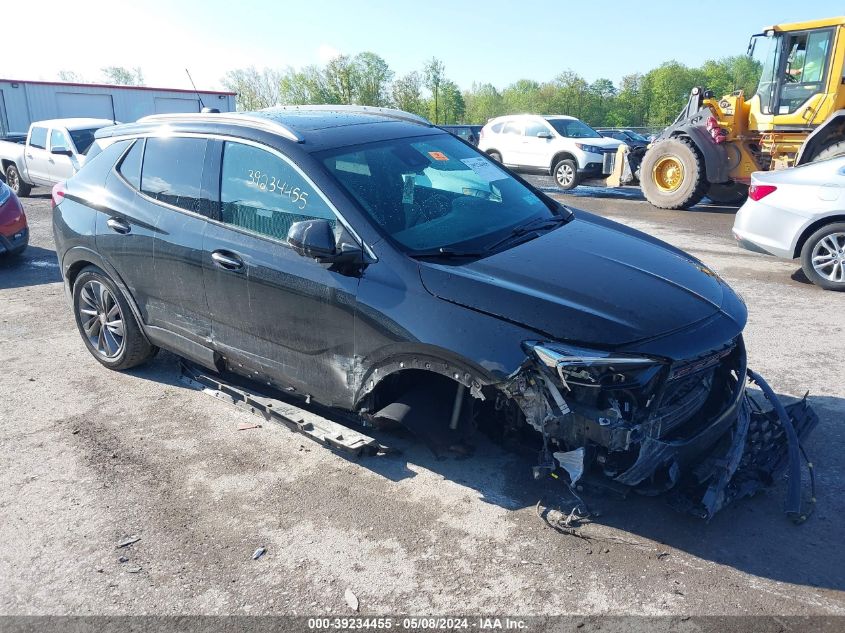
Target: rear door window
512	127
38	137
172	171
262	193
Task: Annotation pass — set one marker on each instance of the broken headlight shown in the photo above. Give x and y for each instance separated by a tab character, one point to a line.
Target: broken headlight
607	384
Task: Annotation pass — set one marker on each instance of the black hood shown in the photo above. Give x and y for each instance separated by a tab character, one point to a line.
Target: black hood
591	281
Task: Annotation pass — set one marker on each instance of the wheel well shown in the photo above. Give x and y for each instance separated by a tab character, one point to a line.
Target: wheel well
560	156
492	150
815	226
74	270
6	164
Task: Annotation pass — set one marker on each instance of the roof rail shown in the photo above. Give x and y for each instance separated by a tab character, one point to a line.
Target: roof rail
231	118
392	113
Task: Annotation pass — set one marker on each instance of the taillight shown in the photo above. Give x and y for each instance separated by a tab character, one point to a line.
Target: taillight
757	192
59	190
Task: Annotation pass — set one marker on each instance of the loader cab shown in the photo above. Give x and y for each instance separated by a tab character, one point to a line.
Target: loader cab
801	77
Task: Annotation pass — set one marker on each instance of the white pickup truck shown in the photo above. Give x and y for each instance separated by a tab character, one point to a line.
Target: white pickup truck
53	151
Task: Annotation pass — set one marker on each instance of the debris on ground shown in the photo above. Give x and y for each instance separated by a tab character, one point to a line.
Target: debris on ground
351	599
245	426
571	523
128	541
259	553
123	559
133	570
662	555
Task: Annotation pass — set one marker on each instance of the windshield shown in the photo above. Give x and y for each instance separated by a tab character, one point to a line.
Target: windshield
82	139
434	192
635	136
767	51
573	128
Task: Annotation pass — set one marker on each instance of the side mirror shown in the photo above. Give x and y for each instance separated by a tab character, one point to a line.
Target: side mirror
544	135
61	151
312	238
315	239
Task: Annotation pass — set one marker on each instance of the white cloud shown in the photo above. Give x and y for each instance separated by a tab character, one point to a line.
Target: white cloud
326	53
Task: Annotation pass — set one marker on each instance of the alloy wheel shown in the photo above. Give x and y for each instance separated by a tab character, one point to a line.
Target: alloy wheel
829	257
101	319
564	175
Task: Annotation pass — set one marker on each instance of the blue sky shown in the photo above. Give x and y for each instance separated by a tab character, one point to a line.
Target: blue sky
494	41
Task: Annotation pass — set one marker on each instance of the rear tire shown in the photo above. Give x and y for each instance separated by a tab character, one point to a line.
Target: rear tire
565	173
672	174
16	183
106	322
727	193
823	257
831	151
495	156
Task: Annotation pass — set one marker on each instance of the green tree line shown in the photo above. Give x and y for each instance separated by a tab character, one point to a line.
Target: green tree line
651	99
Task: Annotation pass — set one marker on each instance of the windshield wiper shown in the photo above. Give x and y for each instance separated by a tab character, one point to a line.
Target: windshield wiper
531	227
444	252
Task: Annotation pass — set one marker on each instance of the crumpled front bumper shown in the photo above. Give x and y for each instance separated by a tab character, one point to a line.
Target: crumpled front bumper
742	451
736	453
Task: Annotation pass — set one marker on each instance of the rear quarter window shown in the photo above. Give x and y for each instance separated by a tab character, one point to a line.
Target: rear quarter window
130	166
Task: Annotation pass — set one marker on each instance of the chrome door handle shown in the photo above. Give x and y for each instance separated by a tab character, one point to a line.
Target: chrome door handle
118	226
227	260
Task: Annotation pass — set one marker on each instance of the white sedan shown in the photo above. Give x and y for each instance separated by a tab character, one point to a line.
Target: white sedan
799	212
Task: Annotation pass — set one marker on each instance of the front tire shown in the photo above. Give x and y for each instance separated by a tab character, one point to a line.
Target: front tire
672	174
495	156
823	257
16	183
831	151
565	173
106	322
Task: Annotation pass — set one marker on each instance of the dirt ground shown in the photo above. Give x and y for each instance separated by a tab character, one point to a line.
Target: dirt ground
89	457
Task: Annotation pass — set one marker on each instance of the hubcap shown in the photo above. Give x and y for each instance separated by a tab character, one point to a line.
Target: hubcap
101	318
829	257
12	177
668	173
564	175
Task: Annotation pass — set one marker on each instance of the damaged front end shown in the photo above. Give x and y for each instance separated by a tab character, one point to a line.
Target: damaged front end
688	428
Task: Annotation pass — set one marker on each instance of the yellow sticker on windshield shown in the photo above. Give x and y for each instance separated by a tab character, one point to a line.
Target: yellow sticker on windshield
438	156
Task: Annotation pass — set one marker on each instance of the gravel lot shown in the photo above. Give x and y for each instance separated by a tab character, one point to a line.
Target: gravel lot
89	457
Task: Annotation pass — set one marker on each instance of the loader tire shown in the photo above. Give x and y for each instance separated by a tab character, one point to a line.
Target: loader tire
733	193
831	151
672	174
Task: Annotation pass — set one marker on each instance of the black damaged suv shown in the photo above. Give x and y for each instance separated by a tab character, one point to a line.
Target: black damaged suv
365	258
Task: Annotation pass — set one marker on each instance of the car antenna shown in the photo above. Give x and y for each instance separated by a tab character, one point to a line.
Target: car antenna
199	97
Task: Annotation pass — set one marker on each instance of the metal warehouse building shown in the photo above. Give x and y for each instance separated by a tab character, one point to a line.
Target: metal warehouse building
22	102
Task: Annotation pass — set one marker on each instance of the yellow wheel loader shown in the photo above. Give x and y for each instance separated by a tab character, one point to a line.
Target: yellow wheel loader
797	116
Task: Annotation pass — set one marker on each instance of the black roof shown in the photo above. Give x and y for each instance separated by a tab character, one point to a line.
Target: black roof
313	127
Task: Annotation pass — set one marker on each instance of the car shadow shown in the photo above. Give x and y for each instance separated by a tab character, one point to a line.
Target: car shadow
752	535
34	267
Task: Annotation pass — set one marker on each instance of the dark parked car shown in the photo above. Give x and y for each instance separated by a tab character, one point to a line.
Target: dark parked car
14	232
470	133
629	137
371	262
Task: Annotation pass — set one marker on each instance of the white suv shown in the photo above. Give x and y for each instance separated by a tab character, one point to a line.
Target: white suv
558	145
